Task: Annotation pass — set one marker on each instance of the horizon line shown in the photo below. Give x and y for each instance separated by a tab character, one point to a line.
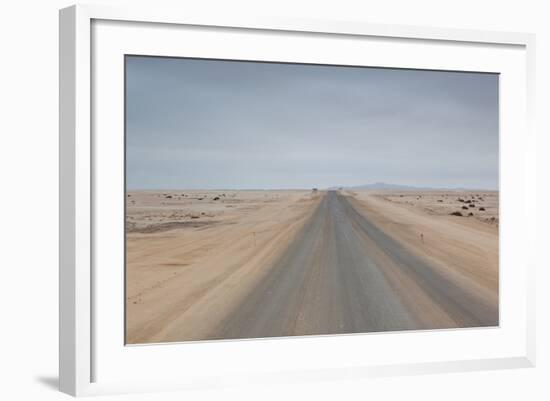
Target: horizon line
331	188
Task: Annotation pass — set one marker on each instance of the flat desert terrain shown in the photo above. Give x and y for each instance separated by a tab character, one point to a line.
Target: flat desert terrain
206	265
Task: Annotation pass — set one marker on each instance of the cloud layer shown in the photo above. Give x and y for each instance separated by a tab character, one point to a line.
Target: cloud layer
225	124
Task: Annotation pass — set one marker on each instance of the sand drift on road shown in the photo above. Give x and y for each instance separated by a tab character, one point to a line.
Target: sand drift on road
208	265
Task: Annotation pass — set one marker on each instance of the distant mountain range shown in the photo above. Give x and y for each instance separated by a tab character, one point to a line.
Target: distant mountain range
384	185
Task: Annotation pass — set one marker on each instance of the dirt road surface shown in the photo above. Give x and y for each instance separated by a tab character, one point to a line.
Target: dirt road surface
345	275
329	263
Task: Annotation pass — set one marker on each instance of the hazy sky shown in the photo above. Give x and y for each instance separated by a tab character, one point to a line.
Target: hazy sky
224	124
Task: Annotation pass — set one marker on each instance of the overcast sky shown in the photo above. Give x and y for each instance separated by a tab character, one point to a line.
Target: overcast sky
241	125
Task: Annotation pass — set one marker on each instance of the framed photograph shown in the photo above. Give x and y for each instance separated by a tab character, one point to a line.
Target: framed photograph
277	200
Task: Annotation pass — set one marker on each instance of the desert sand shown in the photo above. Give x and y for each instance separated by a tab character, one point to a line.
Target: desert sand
465	248
191	255
240	264
425	222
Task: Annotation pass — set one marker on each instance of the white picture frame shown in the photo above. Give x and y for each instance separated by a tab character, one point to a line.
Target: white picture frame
85	349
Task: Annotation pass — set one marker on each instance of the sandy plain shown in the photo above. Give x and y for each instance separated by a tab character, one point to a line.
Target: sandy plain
427	224
240	264
192	255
